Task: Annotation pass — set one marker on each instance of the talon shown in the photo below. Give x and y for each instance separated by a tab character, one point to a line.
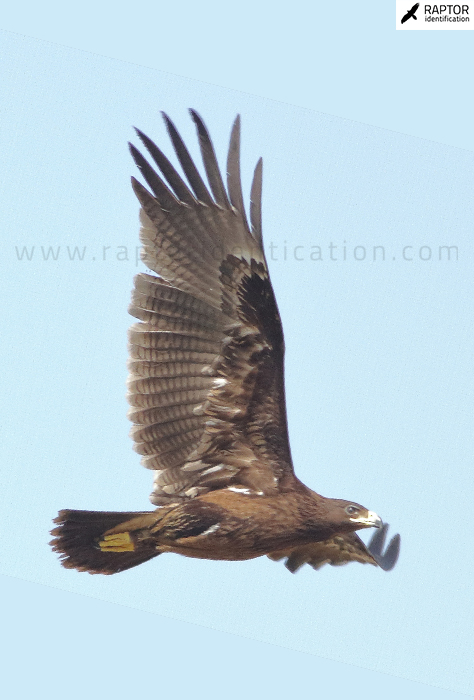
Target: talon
121	542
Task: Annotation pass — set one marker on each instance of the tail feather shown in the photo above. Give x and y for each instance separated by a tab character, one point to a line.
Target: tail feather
77	539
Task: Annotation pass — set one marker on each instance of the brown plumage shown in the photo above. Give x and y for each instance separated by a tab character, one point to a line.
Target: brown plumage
206	391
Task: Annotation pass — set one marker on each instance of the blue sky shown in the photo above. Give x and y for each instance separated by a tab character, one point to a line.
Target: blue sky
371	170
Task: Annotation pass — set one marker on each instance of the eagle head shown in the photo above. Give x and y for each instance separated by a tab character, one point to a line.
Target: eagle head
348	516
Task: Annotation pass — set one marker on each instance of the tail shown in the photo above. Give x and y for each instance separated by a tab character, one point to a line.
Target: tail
83	540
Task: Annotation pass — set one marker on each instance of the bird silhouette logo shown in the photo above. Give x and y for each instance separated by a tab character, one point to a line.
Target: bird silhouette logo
411	13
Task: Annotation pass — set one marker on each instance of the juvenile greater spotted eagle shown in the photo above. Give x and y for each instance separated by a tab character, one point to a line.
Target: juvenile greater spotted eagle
206	392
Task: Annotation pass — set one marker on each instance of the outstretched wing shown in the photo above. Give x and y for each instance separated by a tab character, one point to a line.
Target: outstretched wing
206	359
342	549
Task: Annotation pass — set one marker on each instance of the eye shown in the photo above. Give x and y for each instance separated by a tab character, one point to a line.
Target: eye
351	510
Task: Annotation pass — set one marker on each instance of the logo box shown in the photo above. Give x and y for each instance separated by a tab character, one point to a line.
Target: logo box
434	16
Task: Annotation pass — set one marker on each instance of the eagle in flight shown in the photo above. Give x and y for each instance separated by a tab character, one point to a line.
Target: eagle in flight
206	391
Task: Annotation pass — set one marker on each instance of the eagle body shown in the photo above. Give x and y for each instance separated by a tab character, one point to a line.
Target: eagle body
206	391
229	525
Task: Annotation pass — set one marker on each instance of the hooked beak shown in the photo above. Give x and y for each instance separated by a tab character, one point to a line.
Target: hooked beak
372	520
